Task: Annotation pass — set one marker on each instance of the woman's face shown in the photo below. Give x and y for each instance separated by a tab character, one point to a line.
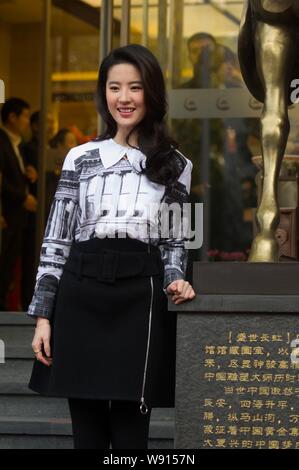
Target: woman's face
125	96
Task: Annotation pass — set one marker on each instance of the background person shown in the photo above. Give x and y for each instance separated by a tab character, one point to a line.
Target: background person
17	201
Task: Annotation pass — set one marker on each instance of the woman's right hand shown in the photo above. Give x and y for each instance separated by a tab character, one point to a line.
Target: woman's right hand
41	341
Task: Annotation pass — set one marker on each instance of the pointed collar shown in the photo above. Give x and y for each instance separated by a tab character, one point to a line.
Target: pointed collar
14	138
111	152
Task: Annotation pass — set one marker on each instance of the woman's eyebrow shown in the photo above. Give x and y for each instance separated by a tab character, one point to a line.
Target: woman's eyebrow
130	83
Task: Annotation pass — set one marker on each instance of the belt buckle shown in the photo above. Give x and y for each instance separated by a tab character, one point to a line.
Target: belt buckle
108	268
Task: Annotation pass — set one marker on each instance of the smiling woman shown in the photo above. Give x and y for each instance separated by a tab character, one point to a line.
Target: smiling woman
107	264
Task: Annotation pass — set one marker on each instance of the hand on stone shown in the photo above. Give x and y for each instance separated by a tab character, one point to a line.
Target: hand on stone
181	291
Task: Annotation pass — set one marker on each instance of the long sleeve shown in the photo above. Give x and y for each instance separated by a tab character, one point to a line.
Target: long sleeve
57	241
173	252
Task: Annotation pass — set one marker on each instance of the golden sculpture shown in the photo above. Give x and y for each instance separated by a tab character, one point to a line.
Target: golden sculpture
269	60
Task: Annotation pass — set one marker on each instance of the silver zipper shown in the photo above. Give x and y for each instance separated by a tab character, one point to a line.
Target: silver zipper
143	405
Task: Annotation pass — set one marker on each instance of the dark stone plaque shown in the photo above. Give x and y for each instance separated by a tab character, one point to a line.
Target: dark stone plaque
237	381
237	387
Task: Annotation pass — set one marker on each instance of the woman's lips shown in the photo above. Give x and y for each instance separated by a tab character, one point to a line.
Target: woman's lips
126	112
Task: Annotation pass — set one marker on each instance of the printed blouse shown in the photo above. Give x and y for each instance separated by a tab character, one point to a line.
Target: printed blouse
101	191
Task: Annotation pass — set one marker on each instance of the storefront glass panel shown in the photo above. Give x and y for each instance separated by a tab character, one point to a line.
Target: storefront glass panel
21	30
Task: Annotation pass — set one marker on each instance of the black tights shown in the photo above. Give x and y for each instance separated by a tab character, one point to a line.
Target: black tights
96	424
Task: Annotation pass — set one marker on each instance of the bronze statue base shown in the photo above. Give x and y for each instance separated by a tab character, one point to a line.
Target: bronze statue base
264	249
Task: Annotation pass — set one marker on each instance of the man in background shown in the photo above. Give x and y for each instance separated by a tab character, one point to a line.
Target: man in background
31	156
17	201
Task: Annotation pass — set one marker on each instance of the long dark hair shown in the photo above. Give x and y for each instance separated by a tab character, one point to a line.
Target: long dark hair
153	138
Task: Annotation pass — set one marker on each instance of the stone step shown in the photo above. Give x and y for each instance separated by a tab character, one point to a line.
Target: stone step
62	426
35	425
33	405
16	371
18	352
17	340
14	442
56	433
16	331
16	318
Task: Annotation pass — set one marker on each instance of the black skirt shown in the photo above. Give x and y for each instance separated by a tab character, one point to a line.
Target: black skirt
112	336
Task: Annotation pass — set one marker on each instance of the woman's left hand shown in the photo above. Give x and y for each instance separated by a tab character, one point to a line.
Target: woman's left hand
181	291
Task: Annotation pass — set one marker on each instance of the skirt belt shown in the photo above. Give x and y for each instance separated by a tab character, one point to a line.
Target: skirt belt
109	265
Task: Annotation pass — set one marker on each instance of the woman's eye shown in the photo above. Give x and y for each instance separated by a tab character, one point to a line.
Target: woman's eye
134	88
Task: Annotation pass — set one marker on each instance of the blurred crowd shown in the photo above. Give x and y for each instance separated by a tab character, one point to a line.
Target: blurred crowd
228	143
19	178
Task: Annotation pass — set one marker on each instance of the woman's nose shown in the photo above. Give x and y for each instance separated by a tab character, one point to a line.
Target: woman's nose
124	97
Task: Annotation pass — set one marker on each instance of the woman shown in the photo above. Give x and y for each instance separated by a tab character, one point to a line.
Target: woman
104	276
